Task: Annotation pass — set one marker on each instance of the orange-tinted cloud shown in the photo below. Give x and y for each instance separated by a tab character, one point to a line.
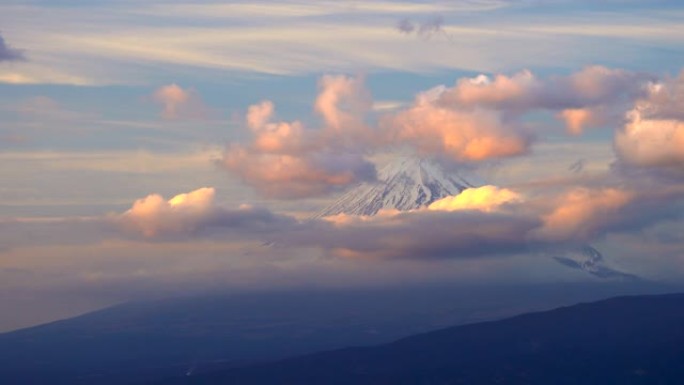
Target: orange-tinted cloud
188	213
154	215
276	138
342	101
579	213
576	119
286	160
591	97
296	176
180	104
462	136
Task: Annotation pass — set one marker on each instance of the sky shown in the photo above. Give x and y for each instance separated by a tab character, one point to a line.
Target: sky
168	147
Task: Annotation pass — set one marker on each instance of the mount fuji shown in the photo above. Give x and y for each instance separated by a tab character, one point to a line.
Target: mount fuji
407	183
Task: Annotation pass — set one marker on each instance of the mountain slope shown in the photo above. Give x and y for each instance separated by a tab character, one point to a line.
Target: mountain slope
626	340
137	342
404	184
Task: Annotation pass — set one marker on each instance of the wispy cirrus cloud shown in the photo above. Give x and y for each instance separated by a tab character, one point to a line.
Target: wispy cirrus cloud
242	38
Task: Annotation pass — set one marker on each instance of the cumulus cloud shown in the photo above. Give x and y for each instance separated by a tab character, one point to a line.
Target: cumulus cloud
278	137
461	136
180	104
476	121
651	142
297	176
343	101
188	213
585	98
591	86
653	136
580	213
7	53
577	119
486	198
287	160
664	100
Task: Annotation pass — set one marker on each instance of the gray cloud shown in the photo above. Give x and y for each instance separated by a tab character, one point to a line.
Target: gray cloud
425	29
419	235
405	26
7	53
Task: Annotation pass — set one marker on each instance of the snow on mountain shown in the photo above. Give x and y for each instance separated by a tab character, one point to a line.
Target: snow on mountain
404	184
592	261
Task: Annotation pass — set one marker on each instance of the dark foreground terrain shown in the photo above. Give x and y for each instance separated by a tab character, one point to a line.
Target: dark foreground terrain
625	340
148	342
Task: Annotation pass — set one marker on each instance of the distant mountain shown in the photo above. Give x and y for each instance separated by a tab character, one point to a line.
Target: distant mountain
626	340
406	183
592	261
138	342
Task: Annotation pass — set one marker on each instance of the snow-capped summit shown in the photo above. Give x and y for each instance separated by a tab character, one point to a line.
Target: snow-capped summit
404	184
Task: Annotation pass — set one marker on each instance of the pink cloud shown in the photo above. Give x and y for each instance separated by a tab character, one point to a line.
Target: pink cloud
296	176
154	215
579	213
284	159
342	101
462	136
180	104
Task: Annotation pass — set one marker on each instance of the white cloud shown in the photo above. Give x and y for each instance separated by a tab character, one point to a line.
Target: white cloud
653	136
486	198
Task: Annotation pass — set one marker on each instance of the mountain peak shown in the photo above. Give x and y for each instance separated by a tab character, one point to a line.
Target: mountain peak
406	183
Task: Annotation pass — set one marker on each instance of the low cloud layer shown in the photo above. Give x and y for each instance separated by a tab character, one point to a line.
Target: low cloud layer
486	221
189	213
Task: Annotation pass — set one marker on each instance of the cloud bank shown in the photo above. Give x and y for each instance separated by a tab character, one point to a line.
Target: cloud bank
189	213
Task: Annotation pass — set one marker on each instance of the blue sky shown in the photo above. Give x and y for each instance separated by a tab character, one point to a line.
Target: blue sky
103	103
